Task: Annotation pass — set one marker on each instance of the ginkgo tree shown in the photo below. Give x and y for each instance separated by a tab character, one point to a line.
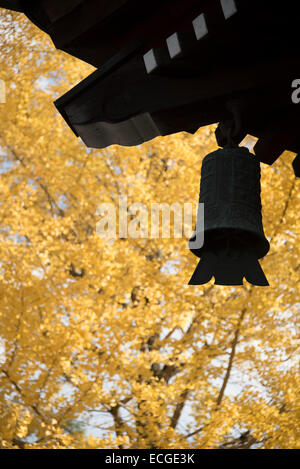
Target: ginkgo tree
102	342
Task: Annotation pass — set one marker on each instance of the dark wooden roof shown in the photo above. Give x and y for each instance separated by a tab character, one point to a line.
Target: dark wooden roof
166	66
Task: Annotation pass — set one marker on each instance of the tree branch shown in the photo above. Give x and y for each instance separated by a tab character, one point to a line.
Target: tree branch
179	408
231	357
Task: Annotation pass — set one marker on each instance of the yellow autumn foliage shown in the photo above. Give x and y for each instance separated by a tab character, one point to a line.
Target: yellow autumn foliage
103	344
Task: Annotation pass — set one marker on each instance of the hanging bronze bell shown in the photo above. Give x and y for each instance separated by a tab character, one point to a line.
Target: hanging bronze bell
234	238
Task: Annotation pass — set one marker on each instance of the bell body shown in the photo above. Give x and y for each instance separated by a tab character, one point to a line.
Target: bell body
234	238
